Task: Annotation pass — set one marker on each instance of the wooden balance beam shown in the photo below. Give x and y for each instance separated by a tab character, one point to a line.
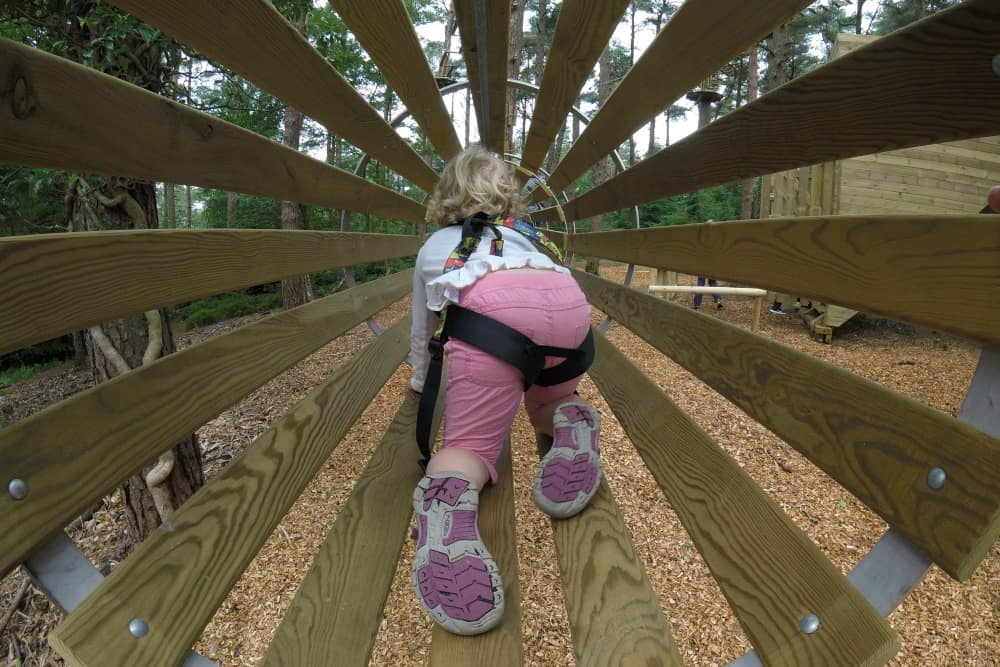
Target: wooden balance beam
757	294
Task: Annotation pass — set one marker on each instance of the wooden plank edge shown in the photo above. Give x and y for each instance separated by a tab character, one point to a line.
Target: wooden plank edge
772	575
336	613
42	450
177	578
955	526
58	283
500	647
614	615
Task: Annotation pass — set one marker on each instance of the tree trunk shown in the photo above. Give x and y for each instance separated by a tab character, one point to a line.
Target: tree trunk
468	113
116	347
187	194
602	169
170	203
746	206
858	17
449	30
296	291
777	58
514	69
232	206
542	39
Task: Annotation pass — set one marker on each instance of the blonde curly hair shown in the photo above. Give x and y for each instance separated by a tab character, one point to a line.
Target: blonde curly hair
475	181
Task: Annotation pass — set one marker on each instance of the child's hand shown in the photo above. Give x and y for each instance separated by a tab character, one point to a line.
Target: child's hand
993	198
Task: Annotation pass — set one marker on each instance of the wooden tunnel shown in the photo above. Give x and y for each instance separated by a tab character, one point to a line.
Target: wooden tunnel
934	479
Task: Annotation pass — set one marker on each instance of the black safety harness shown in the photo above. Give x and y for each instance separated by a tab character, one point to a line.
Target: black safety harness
491	336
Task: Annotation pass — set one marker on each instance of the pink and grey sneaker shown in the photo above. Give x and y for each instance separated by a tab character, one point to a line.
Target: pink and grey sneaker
568	476
456	579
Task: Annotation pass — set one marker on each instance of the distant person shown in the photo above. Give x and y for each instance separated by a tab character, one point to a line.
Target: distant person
711	283
993	200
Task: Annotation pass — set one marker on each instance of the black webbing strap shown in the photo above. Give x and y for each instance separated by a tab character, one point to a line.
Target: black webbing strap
505	343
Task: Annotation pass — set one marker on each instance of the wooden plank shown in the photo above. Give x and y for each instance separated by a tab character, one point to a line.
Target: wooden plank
385	31
614	615
582	32
768	569
912	268
500	647
118	426
57	283
252	38
485	30
69	115
178	577
878	444
337	611
890	94
701	37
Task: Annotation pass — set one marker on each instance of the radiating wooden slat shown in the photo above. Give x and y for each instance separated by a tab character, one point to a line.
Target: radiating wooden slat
57	283
115	428
500	647
897	92
251	38
485	30
582	33
614	615
878	444
338	609
701	37
178	577
67	116
559	238
768	569
939	271
385	31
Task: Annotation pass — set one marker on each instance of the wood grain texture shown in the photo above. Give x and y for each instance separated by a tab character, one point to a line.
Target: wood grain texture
938	271
385	31
500	647
115	428
767	568
67	116
878	444
697	41
337	611
252	38
895	93
492	43
57	283
178	577
583	31
614	615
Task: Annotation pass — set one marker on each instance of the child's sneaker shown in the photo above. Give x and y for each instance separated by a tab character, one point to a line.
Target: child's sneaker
456	579
568	476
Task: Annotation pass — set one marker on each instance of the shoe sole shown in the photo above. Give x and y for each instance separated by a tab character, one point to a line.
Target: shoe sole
568	476
456	579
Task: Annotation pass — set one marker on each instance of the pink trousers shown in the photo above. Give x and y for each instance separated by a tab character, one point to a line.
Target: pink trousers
483	392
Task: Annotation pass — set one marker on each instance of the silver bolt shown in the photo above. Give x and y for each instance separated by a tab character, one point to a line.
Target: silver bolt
809	624
936	478
138	627
996	64
17	488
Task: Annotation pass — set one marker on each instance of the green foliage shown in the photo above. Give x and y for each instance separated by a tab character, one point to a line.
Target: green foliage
901	13
56	349
12	376
227	306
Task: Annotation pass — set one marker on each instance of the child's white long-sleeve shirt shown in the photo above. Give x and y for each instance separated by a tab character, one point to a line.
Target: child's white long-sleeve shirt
433	290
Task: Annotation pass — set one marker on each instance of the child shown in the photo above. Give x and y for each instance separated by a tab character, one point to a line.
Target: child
490	266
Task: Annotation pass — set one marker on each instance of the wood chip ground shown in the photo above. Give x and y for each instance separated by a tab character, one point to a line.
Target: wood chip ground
942	623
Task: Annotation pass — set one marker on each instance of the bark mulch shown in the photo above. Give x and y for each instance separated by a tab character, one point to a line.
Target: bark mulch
942	623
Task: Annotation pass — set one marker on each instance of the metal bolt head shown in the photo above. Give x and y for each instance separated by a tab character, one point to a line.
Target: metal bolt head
936	478
996	64
809	624
17	488
138	627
